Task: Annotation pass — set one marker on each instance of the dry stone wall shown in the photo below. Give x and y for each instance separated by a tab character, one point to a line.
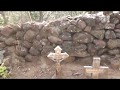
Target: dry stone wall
81	37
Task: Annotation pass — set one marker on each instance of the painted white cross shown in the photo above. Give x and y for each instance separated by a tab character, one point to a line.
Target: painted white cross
95	69
58	57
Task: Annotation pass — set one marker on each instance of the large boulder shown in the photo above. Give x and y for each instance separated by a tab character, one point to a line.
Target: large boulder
100	26
117	26
113	43
102	51
21	51
99	44
37	45
67	46
90	21
10	41
9	30
109	26
87	29
33	51
26	44
54	31
117	30
114	20
118	35
19	35
109	34
80	51
66	36
114	52
55	40
26	26
44	42
81	24
29	35
46	50
91	49
2	38
30	58
73	28
82	37
99	34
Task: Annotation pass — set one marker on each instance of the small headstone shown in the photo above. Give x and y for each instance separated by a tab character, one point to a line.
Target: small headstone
58	57
95	69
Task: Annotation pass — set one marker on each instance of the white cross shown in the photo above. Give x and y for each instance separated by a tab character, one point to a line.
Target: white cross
58	57
95	69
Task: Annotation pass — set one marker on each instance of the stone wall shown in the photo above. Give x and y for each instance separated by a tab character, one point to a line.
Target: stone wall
81	37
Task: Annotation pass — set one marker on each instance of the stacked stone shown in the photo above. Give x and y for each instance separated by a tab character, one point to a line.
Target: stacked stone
81	37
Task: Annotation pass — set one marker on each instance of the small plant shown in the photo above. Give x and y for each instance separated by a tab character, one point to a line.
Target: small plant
3	72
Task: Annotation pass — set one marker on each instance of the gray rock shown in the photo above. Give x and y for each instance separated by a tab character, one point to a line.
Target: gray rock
2	38
81	24
67	46
109	34
99	44
90	21
114	20
55	40
87	29
19	35
117	30
73	28
46	50
26	44
28	57
117	26
44	42
29	35
114	51
54	31
26	26
37	45
118	35
7	31
102	51
34	51
113	43
21	51
91	49
10	41
80	53
109	26
99	34
82	37
66	36
100	26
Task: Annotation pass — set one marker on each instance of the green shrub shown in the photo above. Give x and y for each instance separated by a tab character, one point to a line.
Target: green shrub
3	72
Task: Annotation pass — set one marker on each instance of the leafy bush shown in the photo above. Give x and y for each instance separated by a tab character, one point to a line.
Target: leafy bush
3	72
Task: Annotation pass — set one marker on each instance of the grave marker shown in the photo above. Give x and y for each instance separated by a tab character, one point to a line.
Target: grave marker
58	57
95	69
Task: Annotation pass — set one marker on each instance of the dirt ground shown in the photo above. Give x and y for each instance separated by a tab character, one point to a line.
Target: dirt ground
73	70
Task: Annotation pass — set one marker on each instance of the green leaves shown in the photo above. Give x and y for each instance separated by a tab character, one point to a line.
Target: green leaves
3	72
